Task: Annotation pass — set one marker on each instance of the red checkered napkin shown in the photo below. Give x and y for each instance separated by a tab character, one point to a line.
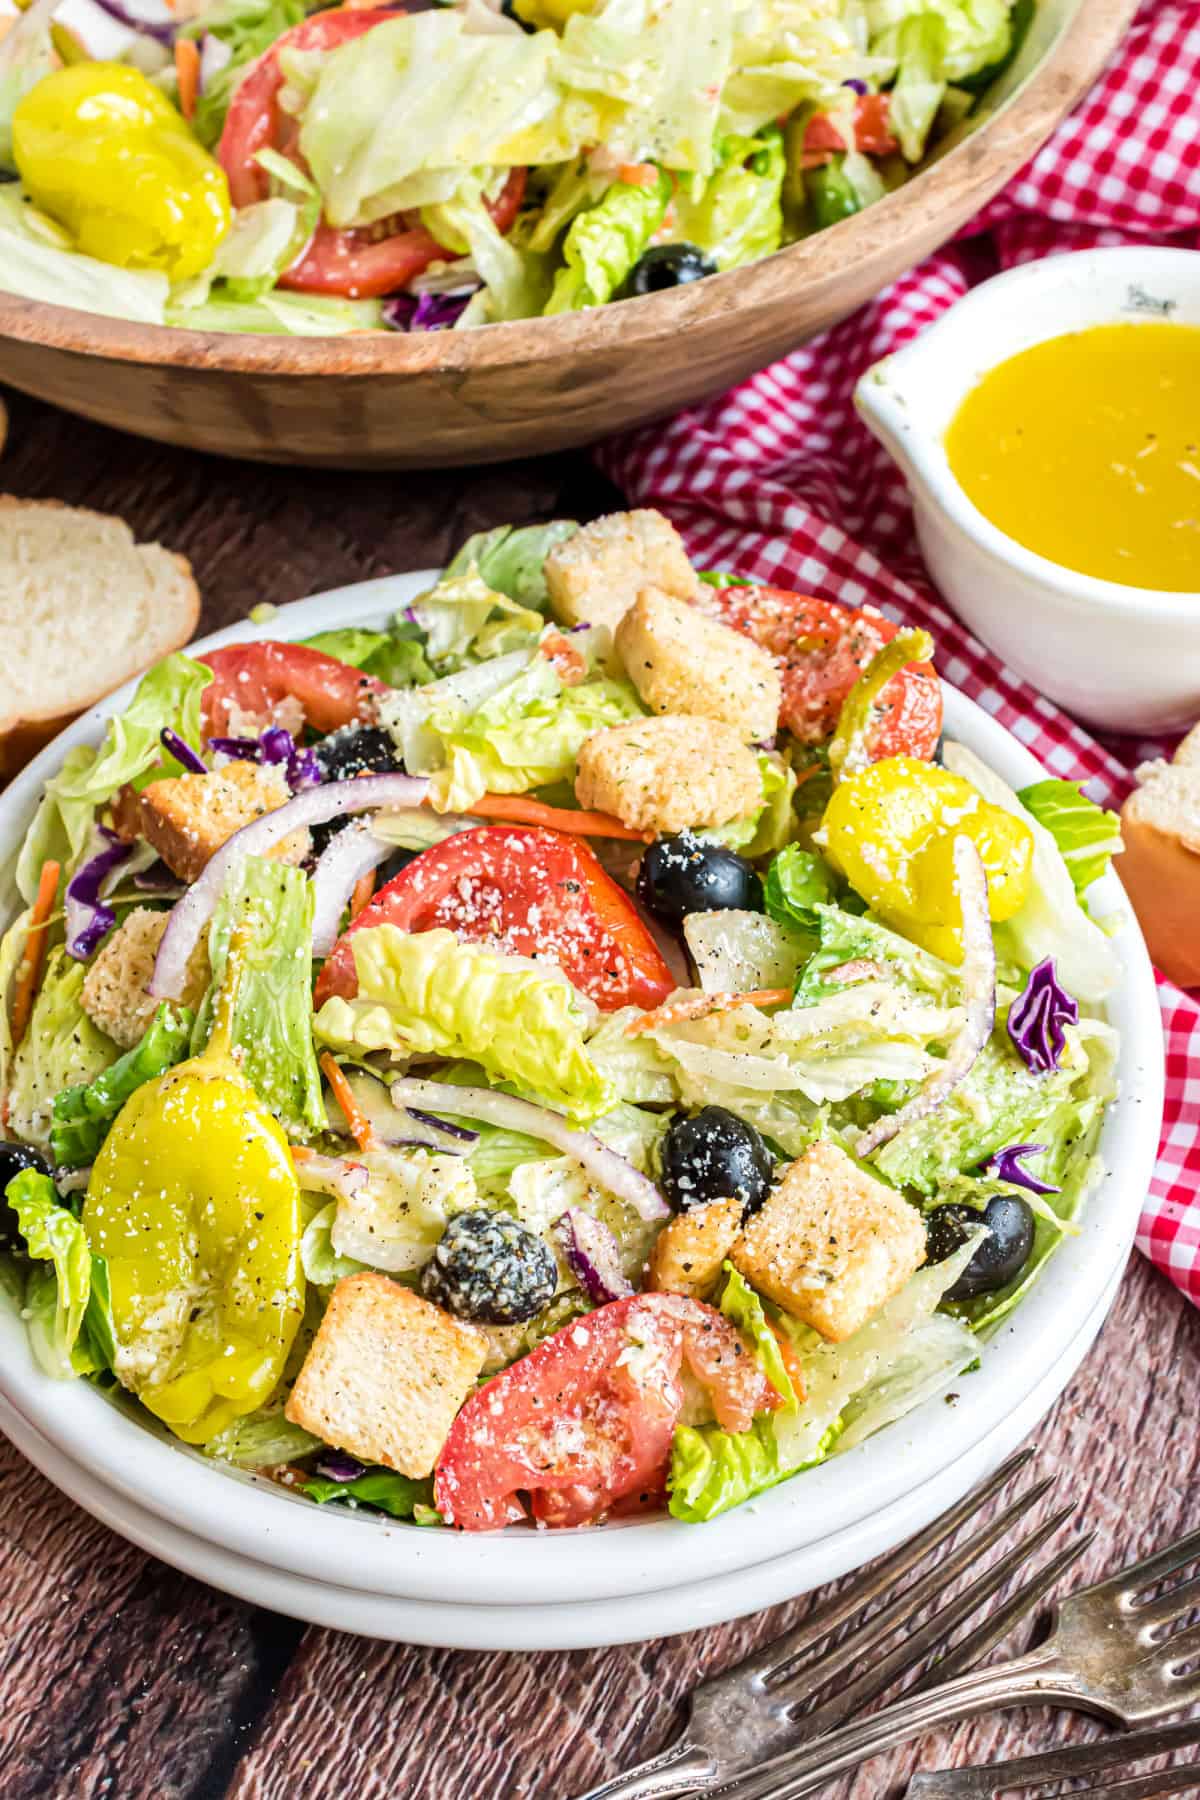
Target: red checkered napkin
779	480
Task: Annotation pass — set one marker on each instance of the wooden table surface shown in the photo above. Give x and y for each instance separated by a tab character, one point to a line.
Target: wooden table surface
124	1679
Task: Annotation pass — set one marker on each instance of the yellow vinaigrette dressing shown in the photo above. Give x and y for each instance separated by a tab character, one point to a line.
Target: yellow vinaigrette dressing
1086	449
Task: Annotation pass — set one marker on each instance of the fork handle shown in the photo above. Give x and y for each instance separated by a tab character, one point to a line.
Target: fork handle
676	1771
1040	1676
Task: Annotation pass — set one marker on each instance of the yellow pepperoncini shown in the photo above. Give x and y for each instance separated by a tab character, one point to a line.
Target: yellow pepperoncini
890	830
552	13
103	151
194	1204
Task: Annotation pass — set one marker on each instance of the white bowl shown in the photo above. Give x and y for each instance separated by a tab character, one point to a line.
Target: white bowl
1123	658
850	1499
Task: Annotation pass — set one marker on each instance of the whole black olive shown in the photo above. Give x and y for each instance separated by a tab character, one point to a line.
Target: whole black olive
1001	1256
14	1158
715	1156
356	750
682	875
669	265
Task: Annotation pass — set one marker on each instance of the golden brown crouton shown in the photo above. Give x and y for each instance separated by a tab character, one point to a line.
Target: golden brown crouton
385	1375
665	774
682	662
188	817
689	1252
114	995
595	576
832	1244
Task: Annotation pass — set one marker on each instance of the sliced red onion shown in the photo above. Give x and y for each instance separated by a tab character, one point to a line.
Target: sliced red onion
1007	1165
242	749
183	753
347	857
461	1132
979	1001
316	806
336	1465
87	918
333	1175
859	87
157	879
594	1255
164	30
611	1171
1038	1017
425	312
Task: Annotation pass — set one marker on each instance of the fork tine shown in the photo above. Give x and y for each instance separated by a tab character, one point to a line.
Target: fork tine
1179	1647
910	1651
1154	1568
879	1577
908	1601
997	1626
1171	1605
1139	1787
1070	1762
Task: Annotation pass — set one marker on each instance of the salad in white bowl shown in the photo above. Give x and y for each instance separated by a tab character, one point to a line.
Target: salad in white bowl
588	1047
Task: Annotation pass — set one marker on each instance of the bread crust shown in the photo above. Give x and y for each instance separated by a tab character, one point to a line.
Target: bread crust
1162	880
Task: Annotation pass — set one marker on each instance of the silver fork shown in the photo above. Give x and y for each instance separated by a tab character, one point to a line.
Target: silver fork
1112	1651
743	1715
1112	1756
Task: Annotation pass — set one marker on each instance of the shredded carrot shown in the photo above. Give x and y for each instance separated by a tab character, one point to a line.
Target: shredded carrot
360	1126
698	1006
33	957
638	175
187	74
519	809
364	892
790	1358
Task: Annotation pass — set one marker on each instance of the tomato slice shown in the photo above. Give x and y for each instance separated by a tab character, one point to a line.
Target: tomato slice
256	678
823	648
584	1423
361	264
525	891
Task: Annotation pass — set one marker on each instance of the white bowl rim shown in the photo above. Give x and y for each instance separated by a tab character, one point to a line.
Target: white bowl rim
261	1521
920	452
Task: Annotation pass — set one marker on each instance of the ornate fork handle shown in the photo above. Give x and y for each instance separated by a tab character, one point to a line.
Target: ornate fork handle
679	1770
1040	1676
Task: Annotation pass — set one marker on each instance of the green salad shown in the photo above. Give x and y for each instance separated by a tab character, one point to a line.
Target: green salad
591	1044
268	166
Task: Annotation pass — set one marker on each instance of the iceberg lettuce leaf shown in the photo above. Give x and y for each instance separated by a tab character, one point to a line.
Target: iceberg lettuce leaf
60	1049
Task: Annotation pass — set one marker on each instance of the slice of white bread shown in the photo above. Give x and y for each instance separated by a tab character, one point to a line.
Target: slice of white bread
83	607
1160	870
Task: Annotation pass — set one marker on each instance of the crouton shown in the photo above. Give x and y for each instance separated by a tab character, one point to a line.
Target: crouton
594	577
682	662
665	774
188	817
1160	869
385	1375
114	995
689	1253
831	1245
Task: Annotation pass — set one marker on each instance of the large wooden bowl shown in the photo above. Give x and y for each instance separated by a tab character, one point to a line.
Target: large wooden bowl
392	401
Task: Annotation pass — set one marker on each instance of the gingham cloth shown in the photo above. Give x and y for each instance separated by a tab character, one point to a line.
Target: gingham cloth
780	481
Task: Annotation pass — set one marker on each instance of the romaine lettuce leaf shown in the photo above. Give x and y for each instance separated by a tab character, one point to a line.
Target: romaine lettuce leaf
396	656
263	240
297	315
261	1440
12	948
382	1489
61	1048
167	695
82	1115
56	1297
323	1266
462	619
272	1022
247	28
738	216
604	243
774	824
512	559
743	1307
786	52
425	994
1051	922
1087	835
516	279
853	937
797	882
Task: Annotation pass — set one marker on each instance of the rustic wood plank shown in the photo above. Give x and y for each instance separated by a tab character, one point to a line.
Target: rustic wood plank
445	1725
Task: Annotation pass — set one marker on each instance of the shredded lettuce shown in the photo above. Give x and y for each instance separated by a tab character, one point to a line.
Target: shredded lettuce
394	1221
61	1048
261	1440
82	1115
272	1025
425	994
56	1297
797	882
738	216
944	42
605	242
1087	835
465	620
38	263
264	240
743	952
300	315
774	824
247	28
851	937
396	656
323	1266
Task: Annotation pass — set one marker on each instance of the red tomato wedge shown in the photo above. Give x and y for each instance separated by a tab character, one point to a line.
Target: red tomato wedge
361	264
822	650
583	1424
872	132
255	678
527	892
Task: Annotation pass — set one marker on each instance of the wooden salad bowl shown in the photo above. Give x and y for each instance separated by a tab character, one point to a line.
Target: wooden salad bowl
388	400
